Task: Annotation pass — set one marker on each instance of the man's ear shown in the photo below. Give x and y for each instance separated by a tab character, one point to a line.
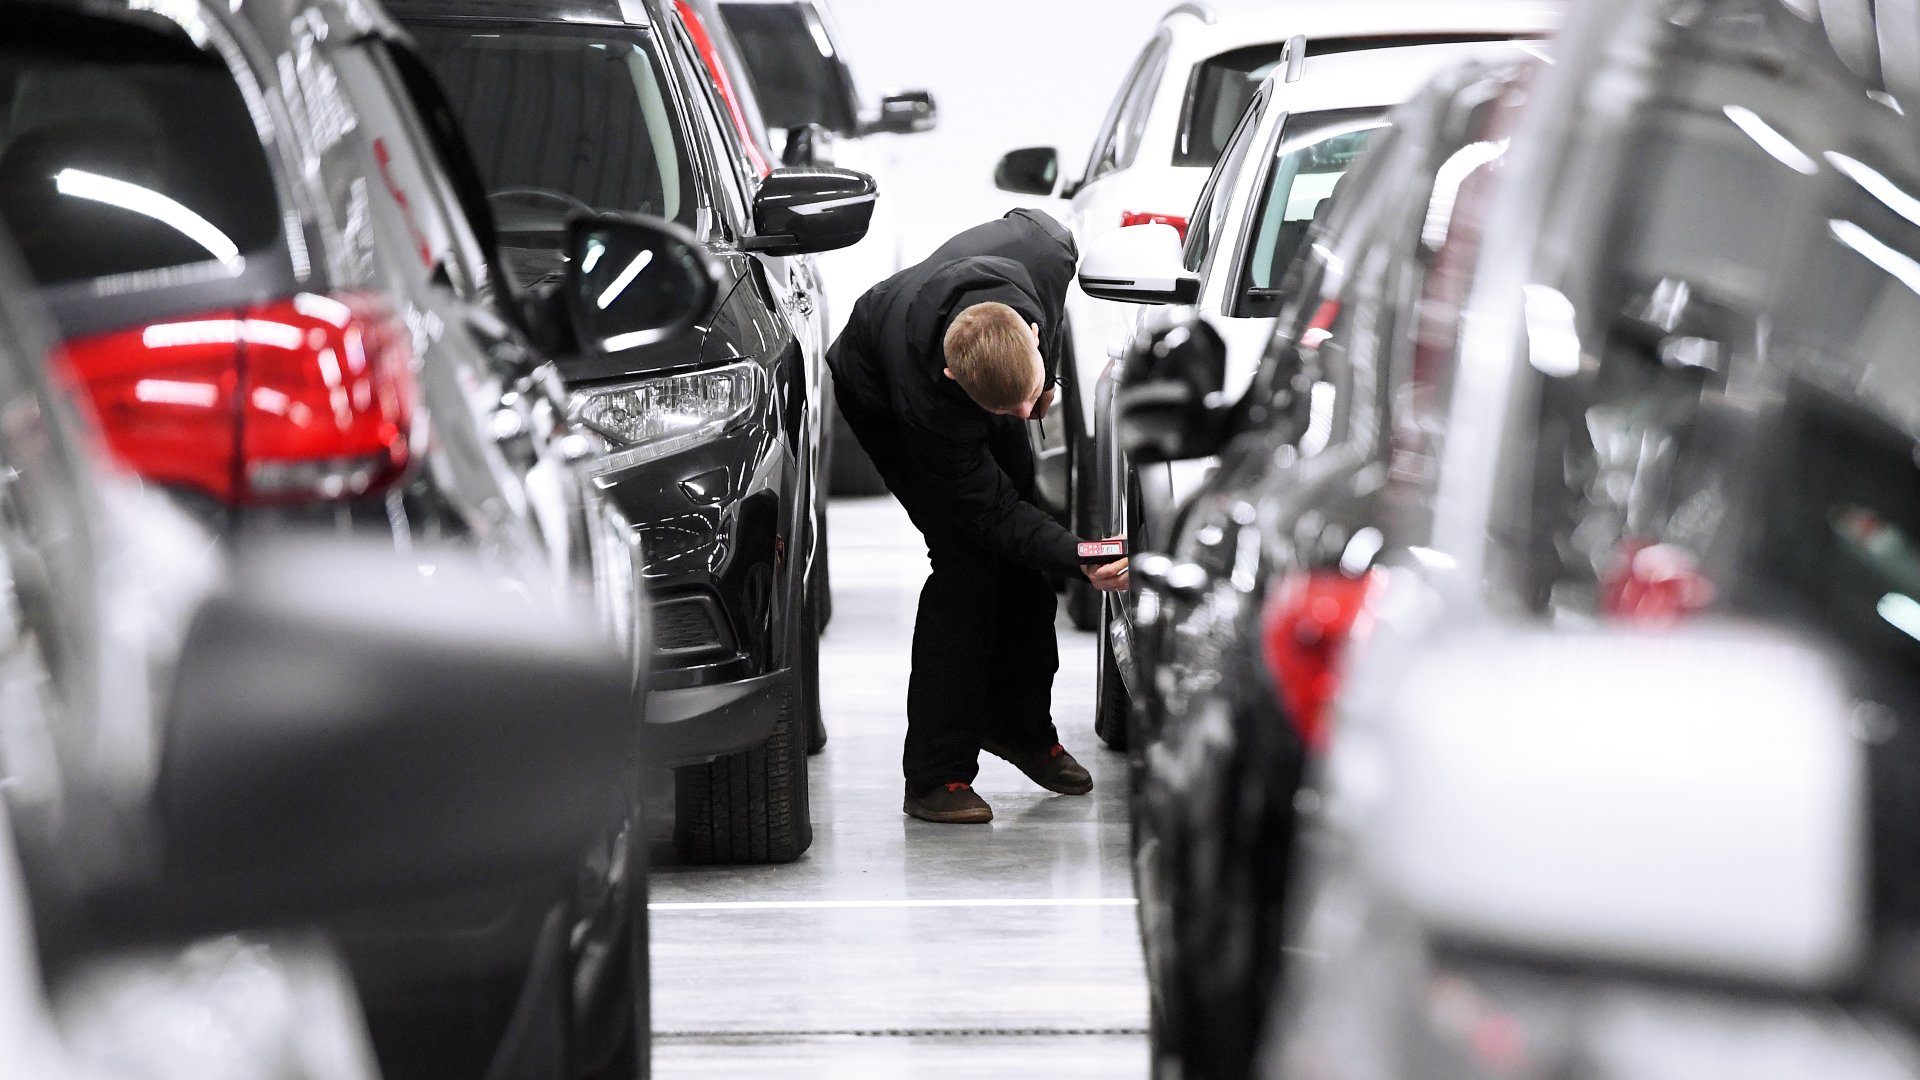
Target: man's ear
948	372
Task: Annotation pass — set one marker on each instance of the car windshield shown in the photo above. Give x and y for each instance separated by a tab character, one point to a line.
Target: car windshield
562	120
1314	153
791	60
123	151
1219	92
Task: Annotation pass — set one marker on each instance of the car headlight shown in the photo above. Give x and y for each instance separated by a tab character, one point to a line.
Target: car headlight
657	417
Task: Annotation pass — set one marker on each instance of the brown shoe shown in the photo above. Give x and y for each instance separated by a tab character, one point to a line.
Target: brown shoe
1052	768
949	804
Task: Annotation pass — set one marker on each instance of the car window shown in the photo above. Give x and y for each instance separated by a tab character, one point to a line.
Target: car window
796	74
1314	152
1119	142
1218	91
106	138
562	119
727	153
414	82
1210	212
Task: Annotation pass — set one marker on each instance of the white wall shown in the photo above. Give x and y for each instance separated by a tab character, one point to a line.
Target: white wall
1005	73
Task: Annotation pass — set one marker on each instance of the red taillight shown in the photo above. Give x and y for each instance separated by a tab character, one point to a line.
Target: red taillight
301	399
1305	627
1138	217
1654	583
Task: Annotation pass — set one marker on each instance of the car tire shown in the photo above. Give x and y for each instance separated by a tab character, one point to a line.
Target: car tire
820	586
850	472
751	807
809	680
1083	600
1111	702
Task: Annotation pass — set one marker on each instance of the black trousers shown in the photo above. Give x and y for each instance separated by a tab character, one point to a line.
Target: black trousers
984	650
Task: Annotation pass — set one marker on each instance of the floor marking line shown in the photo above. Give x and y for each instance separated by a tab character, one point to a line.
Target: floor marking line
721	1035
805	905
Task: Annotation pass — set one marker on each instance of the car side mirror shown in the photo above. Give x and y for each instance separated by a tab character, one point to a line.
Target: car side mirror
906	112
802	211
633	281
1139	264
1705	816
347	730
808	146
1031	170
1168	399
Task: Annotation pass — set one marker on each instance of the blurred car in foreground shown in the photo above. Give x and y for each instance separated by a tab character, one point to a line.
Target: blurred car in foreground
1304	128
797	61
712	444
1621	775
198	756
279	288
1217	754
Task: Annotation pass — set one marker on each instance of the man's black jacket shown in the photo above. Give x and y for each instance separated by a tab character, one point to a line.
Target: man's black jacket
890	362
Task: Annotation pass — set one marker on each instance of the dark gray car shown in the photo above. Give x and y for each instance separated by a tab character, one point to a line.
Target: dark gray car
1620	781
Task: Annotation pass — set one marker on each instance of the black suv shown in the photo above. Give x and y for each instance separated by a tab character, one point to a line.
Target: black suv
711	448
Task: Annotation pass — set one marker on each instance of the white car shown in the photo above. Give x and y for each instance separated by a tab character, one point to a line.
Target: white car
1179	107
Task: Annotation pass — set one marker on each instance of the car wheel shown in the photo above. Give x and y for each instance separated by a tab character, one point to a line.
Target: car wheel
850	471
1110	698
820	588
810	690
1083	600
750	807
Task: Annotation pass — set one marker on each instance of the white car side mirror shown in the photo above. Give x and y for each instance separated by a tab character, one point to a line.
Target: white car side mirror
1690	800
1139	264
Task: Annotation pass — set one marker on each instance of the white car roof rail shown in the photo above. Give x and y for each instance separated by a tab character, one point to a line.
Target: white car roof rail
1203	12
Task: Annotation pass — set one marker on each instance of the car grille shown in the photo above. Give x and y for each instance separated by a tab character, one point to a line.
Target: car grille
688	627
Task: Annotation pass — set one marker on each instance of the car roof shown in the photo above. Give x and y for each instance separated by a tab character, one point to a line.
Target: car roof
1319	20
1385	77
584	12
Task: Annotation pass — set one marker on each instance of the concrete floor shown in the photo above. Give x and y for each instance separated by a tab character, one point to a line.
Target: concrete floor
897	948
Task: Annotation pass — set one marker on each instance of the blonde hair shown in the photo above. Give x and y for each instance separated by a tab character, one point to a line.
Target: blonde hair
990	353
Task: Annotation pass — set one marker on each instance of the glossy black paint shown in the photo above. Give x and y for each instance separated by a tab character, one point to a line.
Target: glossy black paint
1168	399
744	539
799	211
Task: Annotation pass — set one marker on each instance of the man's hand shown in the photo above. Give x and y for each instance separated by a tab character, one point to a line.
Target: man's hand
1111	577
1040	406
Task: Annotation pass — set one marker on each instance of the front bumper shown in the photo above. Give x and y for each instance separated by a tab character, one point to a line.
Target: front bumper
699	723
725	543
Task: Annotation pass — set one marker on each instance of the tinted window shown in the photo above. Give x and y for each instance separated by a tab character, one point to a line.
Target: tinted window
1218	94
795	73
1209	214
1315	152
124	150
560	120
1119	140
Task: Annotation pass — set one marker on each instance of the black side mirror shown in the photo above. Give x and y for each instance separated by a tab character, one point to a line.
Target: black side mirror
906	112
633	281
1031	170
808	146
801	211
1169	397
348	731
